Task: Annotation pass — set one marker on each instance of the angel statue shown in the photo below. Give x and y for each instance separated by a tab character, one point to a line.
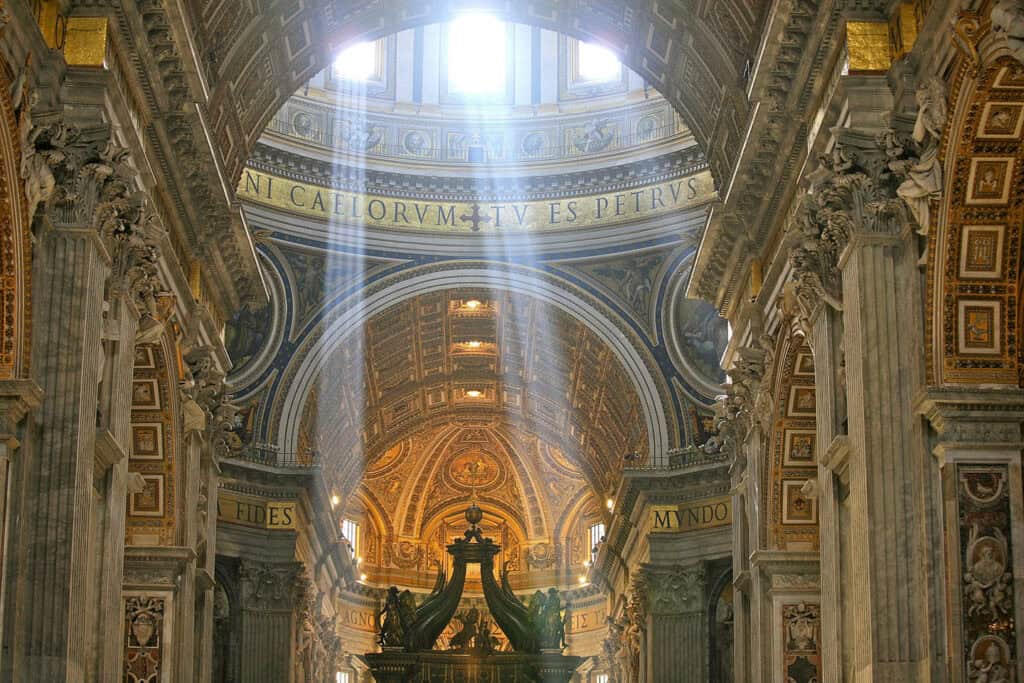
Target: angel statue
392	628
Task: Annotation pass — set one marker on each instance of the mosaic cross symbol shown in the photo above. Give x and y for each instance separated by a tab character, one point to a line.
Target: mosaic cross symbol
476	218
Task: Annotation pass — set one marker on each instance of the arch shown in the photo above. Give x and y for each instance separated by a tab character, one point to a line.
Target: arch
302	378
570	529
694	58
792	457
155	451
973	326
15	238
720	632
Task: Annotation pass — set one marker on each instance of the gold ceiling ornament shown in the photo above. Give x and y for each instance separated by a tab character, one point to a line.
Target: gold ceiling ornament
52	23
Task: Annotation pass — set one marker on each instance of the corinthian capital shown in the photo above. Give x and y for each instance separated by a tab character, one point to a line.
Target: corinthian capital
674	590
854	193
272	586
135	247
206	403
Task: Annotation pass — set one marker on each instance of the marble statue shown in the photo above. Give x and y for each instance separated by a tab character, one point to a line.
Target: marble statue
1008	20
989	668
923	178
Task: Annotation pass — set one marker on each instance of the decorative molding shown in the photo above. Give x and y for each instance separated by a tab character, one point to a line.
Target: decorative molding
980	419
488	188
986	616
155	568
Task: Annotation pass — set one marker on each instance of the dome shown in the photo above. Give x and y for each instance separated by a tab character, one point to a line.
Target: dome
534	131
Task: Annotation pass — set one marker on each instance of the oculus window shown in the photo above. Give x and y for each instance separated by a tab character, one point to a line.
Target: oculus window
589	70
360	63
477	56
596	64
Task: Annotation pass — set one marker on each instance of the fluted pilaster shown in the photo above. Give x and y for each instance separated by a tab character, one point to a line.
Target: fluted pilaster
885	513
677	625
271	595
114	425
830	409
55	615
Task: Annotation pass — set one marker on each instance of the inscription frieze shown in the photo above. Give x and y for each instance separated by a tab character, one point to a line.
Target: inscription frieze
380	211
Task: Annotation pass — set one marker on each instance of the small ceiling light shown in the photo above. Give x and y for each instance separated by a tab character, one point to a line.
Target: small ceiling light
359	560
587	564
474	344
610	504
362	577
473	304
583	579
335	500
474	393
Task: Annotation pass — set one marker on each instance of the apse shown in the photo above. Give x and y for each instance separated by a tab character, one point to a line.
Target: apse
475	394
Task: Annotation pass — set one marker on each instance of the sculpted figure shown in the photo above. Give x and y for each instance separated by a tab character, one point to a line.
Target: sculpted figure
924	177
628	647
392	630
407	613
989	668
610	649
634	645
975	594
1008	20
485	642
535	609
468	633
552	629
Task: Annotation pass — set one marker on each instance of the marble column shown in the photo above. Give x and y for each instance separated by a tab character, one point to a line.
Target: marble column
825	340
66	624
855	250
677	623
58	592
751	646
111	470
272	594
978	444
886	513
17	399
205	544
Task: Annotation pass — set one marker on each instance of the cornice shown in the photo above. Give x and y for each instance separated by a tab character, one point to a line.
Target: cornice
973	419
174	129
792	74
300	168
246	477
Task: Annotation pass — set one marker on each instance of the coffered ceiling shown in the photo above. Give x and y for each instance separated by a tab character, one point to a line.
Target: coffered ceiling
474	359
